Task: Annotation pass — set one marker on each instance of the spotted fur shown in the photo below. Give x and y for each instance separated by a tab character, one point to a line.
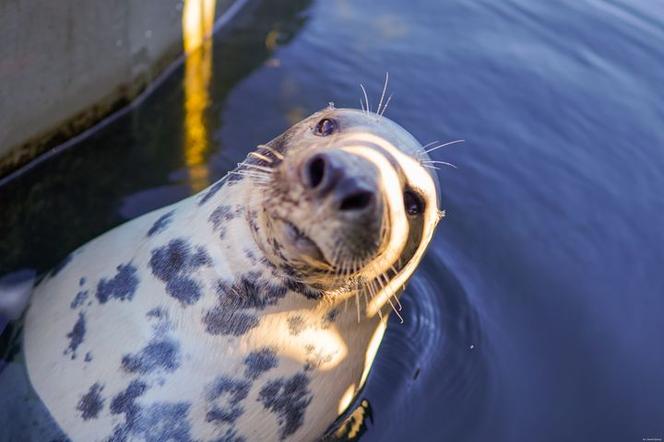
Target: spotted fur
197	322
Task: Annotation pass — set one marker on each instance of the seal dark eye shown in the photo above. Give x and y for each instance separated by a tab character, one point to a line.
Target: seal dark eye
413	203
325	127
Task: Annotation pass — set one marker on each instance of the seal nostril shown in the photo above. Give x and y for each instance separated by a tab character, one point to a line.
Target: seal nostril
316	171
356	201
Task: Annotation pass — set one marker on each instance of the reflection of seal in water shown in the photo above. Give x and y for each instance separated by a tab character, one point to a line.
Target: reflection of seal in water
251	311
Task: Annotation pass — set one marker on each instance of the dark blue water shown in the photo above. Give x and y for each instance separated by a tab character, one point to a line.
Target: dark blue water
538	313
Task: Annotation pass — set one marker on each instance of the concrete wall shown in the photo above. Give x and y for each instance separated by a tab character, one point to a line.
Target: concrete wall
66	64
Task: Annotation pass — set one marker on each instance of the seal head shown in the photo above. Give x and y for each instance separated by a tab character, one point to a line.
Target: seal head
345	198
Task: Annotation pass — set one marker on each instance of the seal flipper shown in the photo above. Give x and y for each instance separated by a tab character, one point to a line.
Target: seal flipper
351	424
15	291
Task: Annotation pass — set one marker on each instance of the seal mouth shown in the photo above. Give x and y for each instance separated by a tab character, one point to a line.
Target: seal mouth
305	245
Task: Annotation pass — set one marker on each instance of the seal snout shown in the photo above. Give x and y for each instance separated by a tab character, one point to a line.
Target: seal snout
340	178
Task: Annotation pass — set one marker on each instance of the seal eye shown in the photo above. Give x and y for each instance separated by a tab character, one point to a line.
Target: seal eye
413	203
325	127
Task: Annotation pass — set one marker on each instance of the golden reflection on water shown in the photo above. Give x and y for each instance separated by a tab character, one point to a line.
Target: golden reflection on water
197	23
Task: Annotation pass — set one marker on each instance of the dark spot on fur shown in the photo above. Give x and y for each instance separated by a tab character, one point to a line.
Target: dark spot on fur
288	398
159	318
276	245
156	312
201	258
288	270
88	357
211	191
125	401
329	318
233	179
81	282
219	321
157	355
184	289
259	361
161	223
251	219
250	291
226	415
295	325
61	265
162	422
158	422
315	358
250	256
332	315
267	263
121	287
174	263
303	289
76	336
234	391
176	258
219	217
91	403
230	436
79	299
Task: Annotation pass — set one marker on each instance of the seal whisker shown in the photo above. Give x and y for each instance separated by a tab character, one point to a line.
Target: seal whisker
245	167
389	299
395	310
278	155
396	298
247	173
357	304
258	178
429	144
387	103
372	293
380	309
251	174
392	295
449	143
445	163
261	168
366	97
382	95
261	157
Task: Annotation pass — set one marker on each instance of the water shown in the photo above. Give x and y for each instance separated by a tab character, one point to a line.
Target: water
537	314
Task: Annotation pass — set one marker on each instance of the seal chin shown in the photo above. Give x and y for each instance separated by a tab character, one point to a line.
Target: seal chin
304	245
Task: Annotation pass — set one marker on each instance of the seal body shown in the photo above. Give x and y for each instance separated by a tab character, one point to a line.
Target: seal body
251	311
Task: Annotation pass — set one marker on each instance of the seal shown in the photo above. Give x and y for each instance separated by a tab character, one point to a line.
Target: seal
250	311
